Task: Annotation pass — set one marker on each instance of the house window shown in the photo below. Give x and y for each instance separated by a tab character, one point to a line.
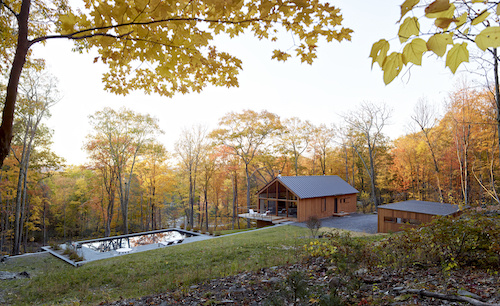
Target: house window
415	222
390	220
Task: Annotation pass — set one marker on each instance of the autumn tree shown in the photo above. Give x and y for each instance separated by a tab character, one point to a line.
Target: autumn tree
368	121
424	117
209	164
322	137
295	138
245	133
174	40
190	148
120	136
152	172
38	94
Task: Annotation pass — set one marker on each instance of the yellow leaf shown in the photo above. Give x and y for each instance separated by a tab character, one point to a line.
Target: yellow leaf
443	14
67	23
443	23
437	43
461	20
488	38
280	56
410	27
457	55
379	51
407	6
437	6
392	66
413	51
498	9
480	18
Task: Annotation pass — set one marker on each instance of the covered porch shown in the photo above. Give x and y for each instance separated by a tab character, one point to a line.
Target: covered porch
278	201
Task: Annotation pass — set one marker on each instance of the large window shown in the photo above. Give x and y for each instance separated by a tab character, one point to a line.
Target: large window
278	200
292	209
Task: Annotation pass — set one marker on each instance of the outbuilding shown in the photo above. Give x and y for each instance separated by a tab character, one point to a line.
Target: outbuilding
398	216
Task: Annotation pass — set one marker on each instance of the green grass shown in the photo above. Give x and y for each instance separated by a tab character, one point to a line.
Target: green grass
227	232
151	272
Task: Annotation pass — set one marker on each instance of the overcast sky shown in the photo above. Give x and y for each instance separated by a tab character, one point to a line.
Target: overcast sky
338	81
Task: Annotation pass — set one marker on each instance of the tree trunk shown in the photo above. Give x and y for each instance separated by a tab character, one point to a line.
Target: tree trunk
497	95
206	207
248	193
346	165
18	211
15	74
372	174
235	198
191	200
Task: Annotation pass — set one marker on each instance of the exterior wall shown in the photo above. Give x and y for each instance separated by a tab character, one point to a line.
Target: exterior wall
325	207
400	219
390	220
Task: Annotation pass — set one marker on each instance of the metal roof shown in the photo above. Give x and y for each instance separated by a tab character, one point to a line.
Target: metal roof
423	207
316	186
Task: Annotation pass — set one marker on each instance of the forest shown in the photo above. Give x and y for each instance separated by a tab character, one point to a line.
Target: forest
132	183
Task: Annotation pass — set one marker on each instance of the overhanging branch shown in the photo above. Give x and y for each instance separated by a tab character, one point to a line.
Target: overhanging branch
88	33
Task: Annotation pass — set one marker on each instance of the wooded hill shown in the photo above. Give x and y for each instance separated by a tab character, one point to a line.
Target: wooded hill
132	183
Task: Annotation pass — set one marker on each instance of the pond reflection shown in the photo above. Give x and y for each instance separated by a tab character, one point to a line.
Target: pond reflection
111	244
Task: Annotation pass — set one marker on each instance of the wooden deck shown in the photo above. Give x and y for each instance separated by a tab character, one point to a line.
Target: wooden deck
340	214
270	219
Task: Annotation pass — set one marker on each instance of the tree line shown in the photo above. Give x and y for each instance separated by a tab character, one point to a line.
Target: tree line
132	183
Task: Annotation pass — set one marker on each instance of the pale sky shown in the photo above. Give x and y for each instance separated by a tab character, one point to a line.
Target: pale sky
338	81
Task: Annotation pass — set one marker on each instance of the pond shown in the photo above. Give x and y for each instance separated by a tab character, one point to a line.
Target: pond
160	237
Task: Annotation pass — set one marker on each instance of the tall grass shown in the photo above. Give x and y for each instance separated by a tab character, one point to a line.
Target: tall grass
158	270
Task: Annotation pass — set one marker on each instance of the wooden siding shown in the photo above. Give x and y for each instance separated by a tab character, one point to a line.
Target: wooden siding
324	207
390	220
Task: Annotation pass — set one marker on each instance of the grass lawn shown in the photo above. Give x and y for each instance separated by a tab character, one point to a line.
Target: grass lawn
151	272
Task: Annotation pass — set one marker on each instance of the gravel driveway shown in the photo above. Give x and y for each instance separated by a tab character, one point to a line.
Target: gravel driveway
354	222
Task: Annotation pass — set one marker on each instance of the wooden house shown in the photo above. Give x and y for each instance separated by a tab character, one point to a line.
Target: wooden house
299	197
398	216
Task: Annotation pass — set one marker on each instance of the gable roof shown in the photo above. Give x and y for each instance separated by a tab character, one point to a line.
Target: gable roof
316	186
423	207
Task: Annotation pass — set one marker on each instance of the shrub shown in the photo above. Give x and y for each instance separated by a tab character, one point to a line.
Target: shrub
55	246
344	251
313	224
71	252
471	239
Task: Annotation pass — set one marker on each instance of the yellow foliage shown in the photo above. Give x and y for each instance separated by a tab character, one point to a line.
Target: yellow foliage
457	55
460	21
379	51
392	66
480	18
471	19
437	6
410	27
413	51
488	38
438	43
407	6
280	56
448	13
443	23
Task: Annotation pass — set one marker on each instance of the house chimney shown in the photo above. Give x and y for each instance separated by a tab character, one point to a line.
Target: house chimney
279	173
